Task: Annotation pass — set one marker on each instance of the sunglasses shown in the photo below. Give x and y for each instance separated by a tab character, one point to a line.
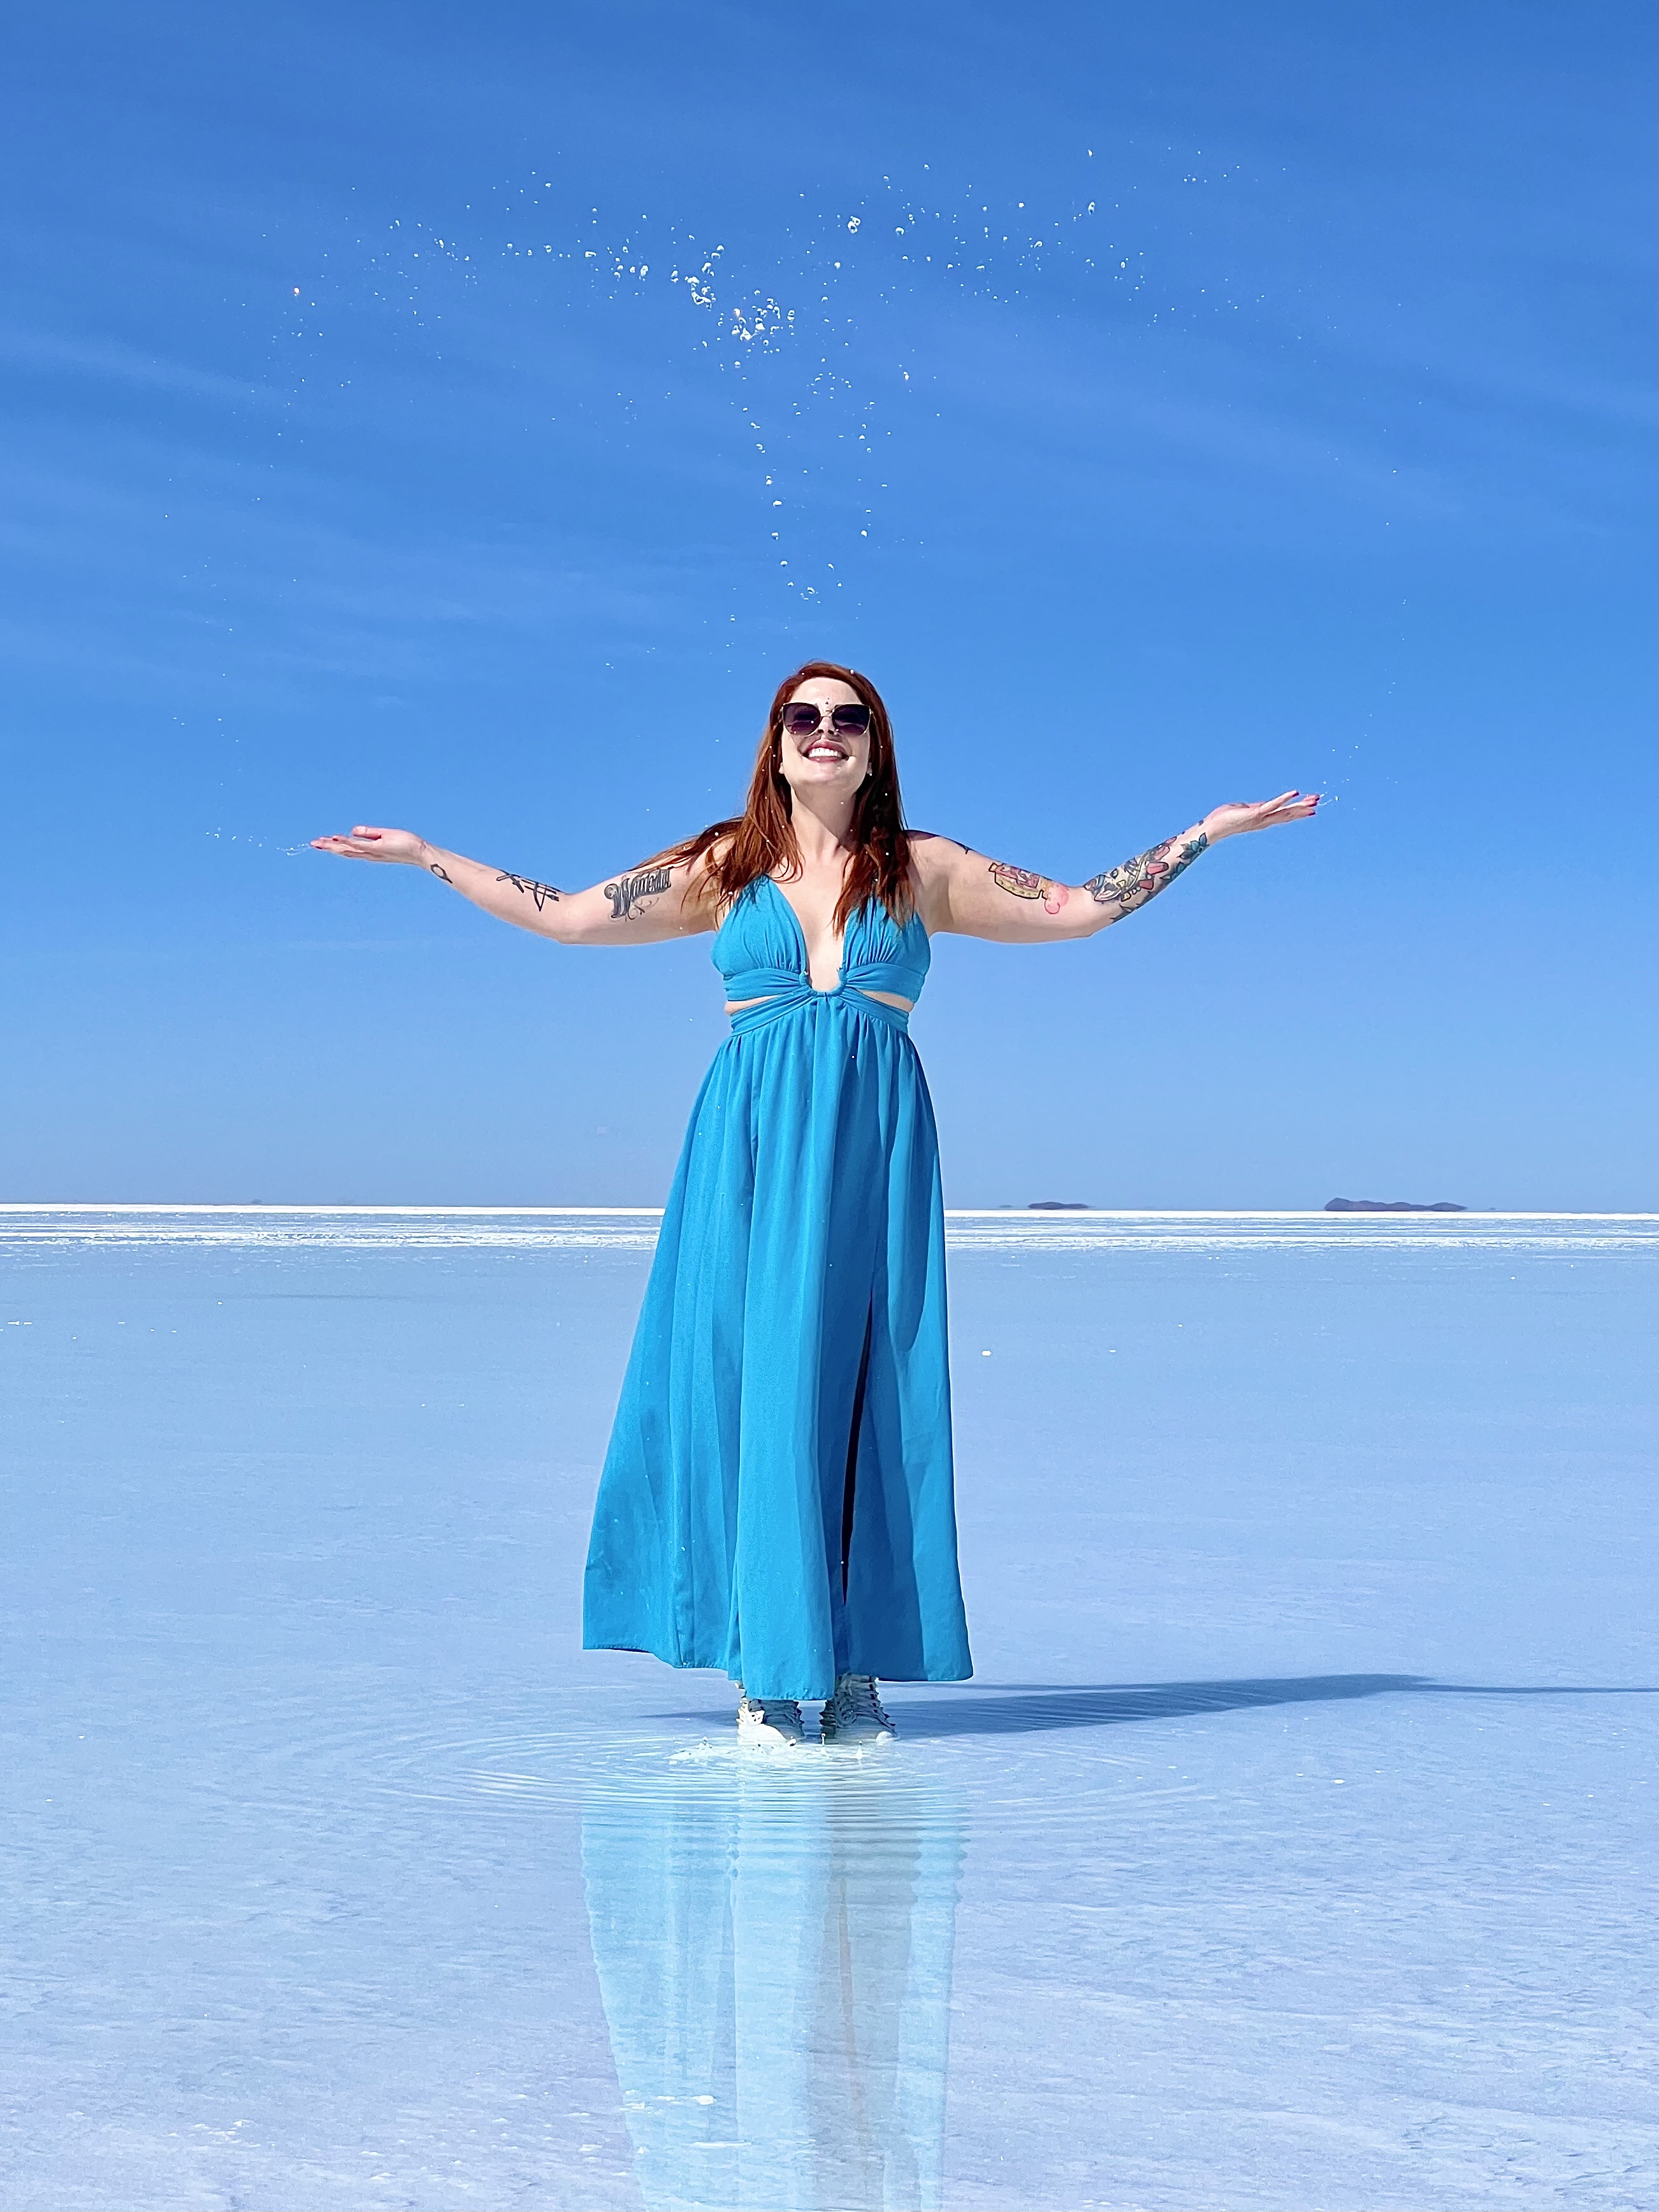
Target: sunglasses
803	719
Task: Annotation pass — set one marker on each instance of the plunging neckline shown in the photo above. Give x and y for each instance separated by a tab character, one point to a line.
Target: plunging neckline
806	951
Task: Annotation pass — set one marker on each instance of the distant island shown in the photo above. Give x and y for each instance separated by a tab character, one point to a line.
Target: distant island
1389	1205
1060	1205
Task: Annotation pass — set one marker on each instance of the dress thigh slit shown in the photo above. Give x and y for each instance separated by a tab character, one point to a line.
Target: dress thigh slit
851	1486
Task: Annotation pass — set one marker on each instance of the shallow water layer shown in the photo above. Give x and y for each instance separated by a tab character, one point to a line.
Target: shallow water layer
1293	1846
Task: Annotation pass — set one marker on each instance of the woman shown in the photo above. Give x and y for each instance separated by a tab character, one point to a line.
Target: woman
777	1498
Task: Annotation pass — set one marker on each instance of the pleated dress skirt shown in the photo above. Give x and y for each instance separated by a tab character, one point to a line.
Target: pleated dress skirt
777	1499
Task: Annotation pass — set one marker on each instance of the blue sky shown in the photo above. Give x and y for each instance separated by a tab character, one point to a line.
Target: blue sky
462	419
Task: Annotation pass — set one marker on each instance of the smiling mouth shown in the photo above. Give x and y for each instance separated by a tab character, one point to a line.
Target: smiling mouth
822	749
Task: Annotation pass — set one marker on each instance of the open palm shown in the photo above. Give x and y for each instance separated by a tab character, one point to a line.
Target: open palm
1239	815
369	844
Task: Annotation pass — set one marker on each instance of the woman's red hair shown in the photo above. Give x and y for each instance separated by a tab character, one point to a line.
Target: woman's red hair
761	840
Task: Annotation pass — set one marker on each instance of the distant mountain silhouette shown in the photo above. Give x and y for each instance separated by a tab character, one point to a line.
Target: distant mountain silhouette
1060	1205
1389	1205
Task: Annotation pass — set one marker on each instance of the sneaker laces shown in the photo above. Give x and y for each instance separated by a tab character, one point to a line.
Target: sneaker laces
855	1698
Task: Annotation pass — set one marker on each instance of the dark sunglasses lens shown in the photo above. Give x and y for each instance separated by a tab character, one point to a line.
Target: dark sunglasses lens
853	721
800	721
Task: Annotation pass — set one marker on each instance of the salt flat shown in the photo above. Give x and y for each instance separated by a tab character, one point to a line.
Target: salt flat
1292	1848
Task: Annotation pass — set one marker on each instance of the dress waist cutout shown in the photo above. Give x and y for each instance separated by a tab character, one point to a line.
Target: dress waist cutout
777	992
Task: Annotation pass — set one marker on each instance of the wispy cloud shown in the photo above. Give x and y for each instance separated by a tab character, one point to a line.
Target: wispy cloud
109	361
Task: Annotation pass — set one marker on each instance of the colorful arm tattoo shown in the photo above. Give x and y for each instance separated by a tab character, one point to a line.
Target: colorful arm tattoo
1136	881
1021	883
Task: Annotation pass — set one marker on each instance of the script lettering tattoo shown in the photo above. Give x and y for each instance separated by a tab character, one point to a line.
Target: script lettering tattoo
443	875
540	892
1021	883
632	895
1132	883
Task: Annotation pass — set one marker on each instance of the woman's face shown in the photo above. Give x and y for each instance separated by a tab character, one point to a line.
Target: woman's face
827	761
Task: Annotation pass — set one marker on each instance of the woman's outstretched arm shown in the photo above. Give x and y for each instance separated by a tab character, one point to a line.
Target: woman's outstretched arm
960	889
637	905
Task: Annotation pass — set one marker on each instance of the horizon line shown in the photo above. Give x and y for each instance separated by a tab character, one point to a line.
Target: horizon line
952	1213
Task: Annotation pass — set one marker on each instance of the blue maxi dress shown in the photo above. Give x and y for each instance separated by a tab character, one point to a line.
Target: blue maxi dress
777	1499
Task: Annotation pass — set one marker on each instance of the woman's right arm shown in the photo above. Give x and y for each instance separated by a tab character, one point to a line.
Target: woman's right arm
637	905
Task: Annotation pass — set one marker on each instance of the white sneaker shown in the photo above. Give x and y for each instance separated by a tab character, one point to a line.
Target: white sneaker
854	1714
773	1722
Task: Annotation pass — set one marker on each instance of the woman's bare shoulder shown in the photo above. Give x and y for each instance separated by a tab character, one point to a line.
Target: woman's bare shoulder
935	856
936	865
706	883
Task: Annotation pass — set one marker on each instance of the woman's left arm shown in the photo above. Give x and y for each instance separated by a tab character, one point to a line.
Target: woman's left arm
961	891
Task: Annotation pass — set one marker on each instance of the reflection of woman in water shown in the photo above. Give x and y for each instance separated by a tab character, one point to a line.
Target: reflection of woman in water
777	1498
773	1954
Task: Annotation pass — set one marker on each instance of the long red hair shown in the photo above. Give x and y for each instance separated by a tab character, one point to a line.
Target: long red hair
761	840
